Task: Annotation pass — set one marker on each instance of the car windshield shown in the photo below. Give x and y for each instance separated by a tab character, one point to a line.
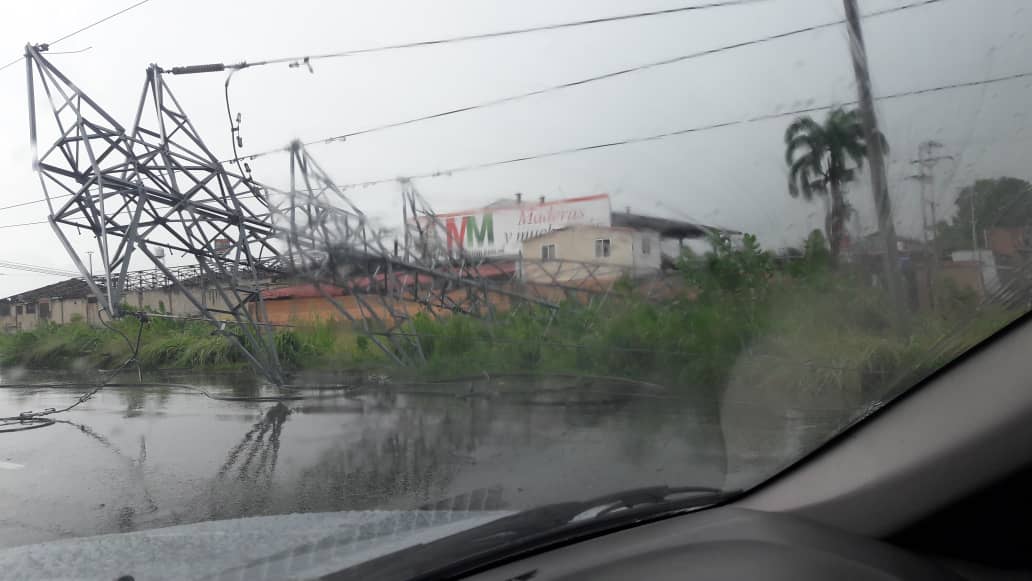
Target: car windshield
403	268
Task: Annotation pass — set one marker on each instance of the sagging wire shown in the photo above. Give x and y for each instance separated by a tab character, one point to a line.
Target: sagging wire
29	420
297	61
234	129
578	82
134	349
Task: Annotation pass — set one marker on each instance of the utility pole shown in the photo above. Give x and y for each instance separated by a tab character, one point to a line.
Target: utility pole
974	244
926	163
876	159
922	179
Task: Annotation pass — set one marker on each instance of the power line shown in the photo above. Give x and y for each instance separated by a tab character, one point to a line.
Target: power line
685	131
23	224
30	202
84	29
305	59
38	269
656	137
567	85
592	79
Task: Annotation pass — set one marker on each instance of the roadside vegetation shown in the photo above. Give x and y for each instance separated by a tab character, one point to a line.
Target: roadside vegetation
797	321
807	320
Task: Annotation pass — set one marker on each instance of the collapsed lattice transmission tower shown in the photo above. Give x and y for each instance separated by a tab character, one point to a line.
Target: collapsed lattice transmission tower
156	187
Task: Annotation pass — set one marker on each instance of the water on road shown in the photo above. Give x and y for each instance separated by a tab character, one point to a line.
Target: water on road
142	457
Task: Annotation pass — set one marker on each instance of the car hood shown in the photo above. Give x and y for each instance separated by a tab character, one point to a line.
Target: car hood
293	546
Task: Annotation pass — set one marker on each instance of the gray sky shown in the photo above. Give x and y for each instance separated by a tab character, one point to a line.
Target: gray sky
734	177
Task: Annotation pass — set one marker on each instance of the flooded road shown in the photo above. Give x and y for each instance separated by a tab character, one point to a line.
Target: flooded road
138	457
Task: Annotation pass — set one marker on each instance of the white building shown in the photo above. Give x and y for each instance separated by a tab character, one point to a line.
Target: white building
583	251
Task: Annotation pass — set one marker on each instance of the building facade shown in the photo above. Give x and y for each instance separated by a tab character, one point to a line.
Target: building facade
71	301
63	302
579	252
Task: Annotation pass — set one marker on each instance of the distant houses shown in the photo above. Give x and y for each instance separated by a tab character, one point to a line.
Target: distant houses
539	243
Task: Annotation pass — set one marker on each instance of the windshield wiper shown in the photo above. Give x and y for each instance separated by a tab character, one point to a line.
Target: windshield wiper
533	530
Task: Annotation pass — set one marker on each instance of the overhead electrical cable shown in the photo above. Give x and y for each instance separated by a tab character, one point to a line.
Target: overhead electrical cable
84	29
588	80
655	137
307	60
696	129
23	223
304	59
511	98
39	269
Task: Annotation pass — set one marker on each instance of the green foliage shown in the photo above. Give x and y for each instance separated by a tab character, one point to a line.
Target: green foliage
741	272
796	325
954	301
813	261
325	344
742	318
164	343
818	157
1001	202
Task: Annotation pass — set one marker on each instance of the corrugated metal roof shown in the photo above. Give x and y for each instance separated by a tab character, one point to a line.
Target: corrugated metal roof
73	288
370	283
666	227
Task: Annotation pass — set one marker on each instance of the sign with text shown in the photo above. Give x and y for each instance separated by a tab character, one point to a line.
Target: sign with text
501	230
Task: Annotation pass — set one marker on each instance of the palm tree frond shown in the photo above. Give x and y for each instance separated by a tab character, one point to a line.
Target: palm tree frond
802	125
802	141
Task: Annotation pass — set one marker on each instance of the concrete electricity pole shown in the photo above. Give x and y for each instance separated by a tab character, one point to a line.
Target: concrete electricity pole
974	244
876	159
926	163
922	180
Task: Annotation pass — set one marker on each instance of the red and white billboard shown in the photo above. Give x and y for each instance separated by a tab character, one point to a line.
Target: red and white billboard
500	230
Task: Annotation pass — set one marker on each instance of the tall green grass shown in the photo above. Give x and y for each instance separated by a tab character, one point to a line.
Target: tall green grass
746	318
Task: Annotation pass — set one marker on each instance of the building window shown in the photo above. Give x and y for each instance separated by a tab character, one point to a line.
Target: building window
213	296
44	310
548	252
5	310
603	247
646	245
30	308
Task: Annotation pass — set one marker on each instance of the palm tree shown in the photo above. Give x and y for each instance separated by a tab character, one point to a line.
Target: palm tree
818	159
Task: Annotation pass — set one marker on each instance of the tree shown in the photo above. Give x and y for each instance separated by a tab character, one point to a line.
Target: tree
818	157
1000	202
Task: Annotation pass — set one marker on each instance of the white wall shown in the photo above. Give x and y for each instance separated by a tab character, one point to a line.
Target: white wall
645	264
577	245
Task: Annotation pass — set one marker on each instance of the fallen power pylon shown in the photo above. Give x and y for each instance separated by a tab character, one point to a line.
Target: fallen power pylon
156	187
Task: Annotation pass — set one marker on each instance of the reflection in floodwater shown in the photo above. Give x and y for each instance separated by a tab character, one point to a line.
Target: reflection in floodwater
253	463
125	515
530	441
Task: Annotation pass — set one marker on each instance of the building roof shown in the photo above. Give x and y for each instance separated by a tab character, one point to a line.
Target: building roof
301	291
575	227
873	244
666	227
372	283
530	204
73	288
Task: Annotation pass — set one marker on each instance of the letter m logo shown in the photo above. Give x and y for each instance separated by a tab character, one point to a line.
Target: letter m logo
455	234
473	233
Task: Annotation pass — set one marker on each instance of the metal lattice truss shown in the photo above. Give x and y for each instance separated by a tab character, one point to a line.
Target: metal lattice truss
380	282
158	188
370	277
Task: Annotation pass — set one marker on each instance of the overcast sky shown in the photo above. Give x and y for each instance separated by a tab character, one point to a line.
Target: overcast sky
733	177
